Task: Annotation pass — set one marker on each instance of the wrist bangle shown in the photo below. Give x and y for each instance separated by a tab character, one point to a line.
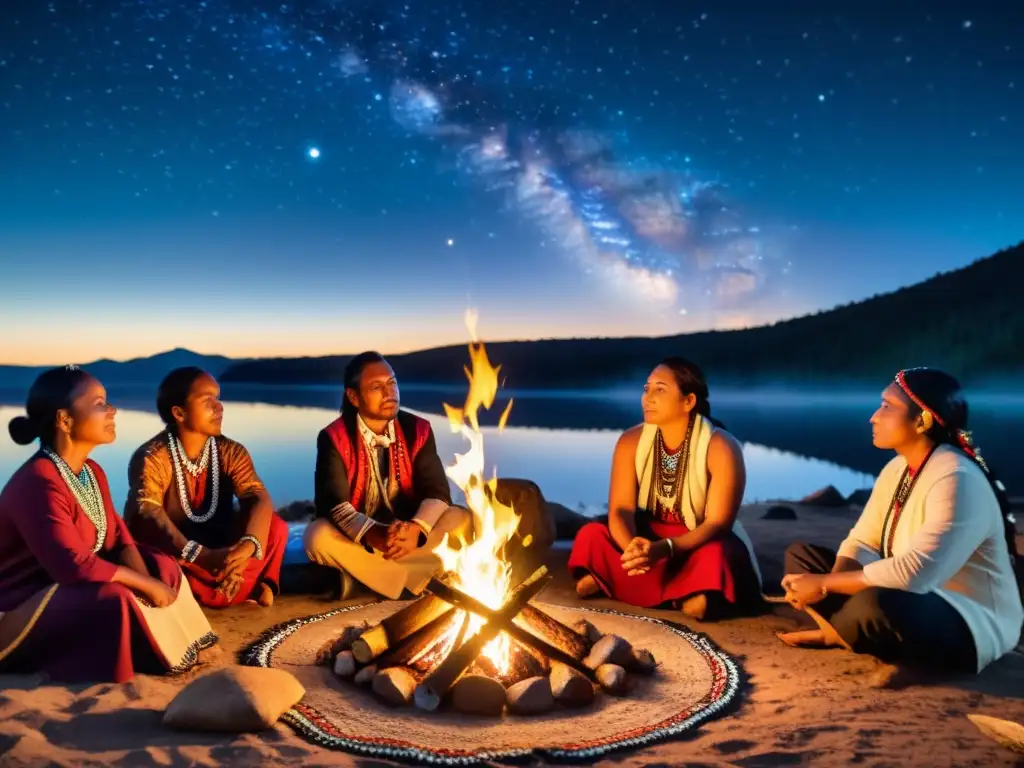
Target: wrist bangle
191	551
671	547
258	554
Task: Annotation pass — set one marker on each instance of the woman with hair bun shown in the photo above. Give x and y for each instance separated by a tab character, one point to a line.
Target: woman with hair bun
677	482
926	577
79	600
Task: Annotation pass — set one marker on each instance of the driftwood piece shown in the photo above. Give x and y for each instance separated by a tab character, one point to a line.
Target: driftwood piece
547	627
613	679
395	685
530	697
588	630
478	695
418	642
343	642
610	649
569	687
643	662
344	664
496	620
431	691
396	627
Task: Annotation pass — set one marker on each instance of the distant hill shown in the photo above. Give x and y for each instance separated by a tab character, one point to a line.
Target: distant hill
968	321
140	370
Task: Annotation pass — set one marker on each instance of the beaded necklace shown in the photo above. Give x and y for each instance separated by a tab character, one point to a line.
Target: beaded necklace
669	476
899	499
87	493
181	464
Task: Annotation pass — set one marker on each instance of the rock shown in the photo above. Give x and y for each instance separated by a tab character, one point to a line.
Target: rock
613	679
859	498
569	686
826	497
298	512
610	649
779	512
394	685
567	521
643	662
530	697
536	526
588	630
478	695
365	675
345	664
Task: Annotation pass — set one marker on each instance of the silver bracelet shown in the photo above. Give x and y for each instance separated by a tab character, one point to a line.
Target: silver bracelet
258	554
191	551
671	547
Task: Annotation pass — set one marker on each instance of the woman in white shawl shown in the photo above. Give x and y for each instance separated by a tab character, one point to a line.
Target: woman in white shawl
677	481
926	577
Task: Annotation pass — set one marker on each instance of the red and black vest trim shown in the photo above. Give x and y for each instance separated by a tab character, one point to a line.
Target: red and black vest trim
411	434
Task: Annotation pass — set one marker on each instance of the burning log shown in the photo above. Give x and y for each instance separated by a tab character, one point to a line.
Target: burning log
430	692
499	621
420	640
522	665
396	627
546	627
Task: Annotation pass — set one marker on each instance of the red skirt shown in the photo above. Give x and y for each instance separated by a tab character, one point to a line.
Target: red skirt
721	566
257	572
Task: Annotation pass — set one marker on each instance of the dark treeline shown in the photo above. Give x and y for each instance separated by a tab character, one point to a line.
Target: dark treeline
968	321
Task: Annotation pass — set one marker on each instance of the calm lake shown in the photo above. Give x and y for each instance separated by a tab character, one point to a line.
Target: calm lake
794	443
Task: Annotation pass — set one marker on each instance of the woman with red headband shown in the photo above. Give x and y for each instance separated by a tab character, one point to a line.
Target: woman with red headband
927	575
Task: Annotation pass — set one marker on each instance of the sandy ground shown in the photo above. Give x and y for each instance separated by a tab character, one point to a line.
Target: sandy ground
798	707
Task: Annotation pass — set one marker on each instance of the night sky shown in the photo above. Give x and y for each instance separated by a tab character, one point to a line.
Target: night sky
256	178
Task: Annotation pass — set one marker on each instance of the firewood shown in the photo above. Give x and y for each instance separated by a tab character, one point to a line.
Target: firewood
419	641
522	665
569	687
396	627
365	675
343	642
588	630
547	627
531	696
395	685
613	679
430	692
344	664
643	662
498	622
478	695
610	649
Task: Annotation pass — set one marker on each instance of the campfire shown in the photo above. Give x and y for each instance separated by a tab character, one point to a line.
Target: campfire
474	639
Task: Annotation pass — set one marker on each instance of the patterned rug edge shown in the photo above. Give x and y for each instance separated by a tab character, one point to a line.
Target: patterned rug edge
728	680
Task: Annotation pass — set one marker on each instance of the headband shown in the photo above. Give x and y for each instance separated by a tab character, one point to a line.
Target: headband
963	437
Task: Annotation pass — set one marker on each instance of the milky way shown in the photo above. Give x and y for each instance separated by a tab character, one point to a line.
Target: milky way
652	226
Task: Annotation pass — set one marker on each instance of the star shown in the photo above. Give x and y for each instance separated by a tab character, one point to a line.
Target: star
451	242
313	153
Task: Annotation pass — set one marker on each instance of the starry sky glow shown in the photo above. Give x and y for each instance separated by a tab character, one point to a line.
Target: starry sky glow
258	178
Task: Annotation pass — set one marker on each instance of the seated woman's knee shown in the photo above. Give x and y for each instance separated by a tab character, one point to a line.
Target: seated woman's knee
317	537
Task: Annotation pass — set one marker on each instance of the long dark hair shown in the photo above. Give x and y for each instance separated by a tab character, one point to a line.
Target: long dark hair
52	391
173	392
942	395
353	372
691	381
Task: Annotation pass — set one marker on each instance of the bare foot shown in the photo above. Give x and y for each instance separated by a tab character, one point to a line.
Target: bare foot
265	596
696	607
803	638
587	587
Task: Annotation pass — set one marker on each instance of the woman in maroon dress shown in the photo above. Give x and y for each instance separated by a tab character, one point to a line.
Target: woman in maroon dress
79	600
676	486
